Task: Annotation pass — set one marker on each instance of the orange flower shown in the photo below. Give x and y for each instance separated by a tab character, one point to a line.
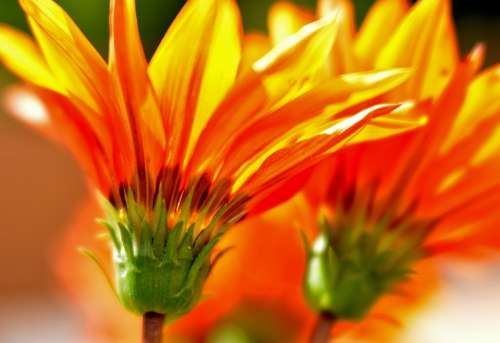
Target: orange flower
431	191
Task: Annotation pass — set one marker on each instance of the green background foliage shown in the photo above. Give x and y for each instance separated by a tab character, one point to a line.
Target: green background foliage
156	15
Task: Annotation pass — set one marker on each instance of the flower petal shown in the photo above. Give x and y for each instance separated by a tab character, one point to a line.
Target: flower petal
481	102
284	73
265	176
195	66
341	92
343	58
78	135
286	19
255	45
22	56
129	66
299	62
426	42
73	61
377	28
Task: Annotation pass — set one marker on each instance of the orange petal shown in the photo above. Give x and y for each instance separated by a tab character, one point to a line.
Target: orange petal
80	138
283	74
424	41
243	104
298	62
297	157
128	64
481	102
285	19
377	28
342	92
23	57
195	66
74	63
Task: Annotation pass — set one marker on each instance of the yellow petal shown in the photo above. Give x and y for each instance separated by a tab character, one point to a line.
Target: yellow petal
298	62
482	102
291	120
195	66
285	19
293	159
424	41
343	58
408	116
380	23
73	61
22	56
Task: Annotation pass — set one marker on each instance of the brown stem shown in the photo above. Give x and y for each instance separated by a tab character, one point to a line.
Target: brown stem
152	327
323	328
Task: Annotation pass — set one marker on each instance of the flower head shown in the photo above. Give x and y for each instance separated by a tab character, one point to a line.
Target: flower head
186	145
384	206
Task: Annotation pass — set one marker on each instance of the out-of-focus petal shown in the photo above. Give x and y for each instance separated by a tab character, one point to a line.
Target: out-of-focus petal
255	45
481	102
285	19
377	28
424	41
22	56
298	62
343	58
195	66
421	151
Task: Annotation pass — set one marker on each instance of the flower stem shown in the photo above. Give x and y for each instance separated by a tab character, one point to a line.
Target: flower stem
152	327
323	328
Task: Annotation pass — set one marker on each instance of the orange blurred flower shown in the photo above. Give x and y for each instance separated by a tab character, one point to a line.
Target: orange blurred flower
423	193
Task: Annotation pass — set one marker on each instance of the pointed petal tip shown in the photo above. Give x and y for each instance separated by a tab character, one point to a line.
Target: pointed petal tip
327	23
477	54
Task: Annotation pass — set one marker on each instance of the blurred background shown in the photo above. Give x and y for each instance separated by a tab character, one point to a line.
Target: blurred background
41	186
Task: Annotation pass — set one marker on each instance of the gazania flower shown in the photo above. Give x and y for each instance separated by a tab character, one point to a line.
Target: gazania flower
189	144
252	274
387	205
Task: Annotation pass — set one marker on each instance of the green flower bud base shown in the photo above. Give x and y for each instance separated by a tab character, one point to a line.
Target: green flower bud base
150	285
352	263
160	267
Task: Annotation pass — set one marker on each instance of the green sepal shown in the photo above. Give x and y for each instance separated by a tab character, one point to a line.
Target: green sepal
349	266
157	268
